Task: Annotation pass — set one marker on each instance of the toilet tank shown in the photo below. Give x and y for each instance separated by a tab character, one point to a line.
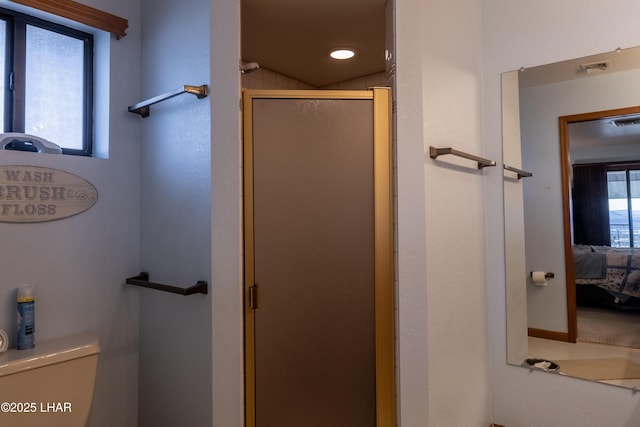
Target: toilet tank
50	385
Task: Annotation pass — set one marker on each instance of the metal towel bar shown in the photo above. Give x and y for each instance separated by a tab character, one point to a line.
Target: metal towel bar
142	108
521	173
142	279
482	163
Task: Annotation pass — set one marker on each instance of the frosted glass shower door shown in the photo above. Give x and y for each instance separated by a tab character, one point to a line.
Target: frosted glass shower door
318	259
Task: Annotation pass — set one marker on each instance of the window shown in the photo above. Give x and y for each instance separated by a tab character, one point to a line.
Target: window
624	206
47	84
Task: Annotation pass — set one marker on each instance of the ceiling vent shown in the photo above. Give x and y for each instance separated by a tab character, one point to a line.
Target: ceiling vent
627	122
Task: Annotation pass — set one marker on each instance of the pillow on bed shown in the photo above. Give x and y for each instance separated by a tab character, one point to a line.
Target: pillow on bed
589	263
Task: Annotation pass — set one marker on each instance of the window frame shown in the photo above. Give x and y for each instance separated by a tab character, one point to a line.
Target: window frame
627	167
15	112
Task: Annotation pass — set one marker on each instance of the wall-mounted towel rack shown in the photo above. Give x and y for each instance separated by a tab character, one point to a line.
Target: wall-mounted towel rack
142	279
520	172
142	108
482	163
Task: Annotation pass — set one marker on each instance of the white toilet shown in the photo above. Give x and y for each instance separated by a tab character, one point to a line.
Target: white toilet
50	385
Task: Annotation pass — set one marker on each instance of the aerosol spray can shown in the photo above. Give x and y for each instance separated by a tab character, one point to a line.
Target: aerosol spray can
26	317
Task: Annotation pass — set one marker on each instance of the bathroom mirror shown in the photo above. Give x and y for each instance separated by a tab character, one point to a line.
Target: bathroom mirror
565	122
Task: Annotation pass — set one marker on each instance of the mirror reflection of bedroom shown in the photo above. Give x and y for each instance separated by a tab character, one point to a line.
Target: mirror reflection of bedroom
580	137
604	152
601	163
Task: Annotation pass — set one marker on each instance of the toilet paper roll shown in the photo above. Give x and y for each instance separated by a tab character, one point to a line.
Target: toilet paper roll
4	341
539	278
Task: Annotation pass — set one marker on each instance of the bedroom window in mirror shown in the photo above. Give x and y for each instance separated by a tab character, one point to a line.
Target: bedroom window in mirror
624	207
48	81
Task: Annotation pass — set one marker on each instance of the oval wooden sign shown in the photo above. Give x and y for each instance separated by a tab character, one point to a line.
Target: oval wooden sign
39	194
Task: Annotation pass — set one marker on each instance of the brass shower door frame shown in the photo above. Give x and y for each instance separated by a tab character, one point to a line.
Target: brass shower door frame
384	275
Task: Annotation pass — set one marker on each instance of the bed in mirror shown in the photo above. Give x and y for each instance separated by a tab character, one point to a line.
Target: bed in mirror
575	125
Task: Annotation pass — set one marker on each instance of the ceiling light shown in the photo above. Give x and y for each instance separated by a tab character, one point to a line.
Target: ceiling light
342	53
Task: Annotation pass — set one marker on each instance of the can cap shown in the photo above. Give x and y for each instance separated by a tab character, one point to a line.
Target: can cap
25	293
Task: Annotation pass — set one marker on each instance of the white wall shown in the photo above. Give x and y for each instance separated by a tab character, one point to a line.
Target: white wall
175	330
524	33
442	326
226	214
613	152
78	264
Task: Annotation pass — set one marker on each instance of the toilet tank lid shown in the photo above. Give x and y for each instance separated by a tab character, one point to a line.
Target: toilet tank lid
48	352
